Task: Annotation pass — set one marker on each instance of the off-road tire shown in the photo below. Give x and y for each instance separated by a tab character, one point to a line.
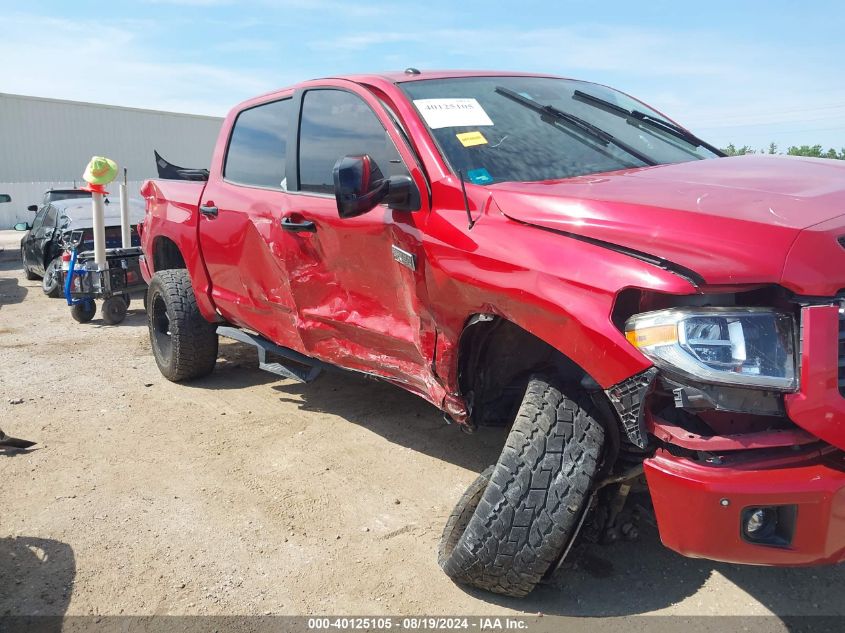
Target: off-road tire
458	521
83	311
113	310
184	343
51	282
530	509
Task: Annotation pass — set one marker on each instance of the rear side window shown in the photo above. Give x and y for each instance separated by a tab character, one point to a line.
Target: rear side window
334	124
258	146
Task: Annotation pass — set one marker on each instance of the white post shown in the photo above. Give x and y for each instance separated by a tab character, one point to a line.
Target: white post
99	231
125	234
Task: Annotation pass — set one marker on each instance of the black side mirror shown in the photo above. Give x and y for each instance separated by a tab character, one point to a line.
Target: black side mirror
5	197
22	226
359	186
32	207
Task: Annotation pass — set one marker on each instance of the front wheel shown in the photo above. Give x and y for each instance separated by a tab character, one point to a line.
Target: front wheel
184	343
515	521
83	311
50	283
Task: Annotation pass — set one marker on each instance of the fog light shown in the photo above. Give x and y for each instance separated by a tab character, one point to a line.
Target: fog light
769	525
761	523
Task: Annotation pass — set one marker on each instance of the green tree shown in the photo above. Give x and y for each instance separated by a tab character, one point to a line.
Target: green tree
732	150
814	151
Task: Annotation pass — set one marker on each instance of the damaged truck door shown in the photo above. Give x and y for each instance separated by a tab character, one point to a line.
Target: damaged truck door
357	301
240	232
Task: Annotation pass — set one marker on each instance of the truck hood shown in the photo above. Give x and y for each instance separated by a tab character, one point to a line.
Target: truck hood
730	220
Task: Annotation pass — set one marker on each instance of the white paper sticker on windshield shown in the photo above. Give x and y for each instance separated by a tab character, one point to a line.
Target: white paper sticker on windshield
440	113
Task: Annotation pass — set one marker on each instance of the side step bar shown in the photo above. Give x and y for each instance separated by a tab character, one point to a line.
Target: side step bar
312	367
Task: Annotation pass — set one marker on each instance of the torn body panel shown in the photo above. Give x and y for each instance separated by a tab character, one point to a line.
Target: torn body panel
628	399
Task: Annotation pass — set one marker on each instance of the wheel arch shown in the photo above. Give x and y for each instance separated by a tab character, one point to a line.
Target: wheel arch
495	358
166	254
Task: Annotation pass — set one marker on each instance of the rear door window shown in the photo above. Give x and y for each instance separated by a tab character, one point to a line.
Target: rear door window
334	124
50	219
258	146
38	222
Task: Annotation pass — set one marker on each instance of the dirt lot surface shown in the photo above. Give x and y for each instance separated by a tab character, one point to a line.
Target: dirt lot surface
244	494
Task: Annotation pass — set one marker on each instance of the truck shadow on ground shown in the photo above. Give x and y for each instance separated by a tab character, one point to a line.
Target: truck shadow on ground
634	578
237	367
398	416
36	577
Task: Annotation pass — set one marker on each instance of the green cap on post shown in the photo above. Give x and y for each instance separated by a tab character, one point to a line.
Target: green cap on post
100	171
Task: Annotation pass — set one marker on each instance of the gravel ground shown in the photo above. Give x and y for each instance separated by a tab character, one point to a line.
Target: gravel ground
243	494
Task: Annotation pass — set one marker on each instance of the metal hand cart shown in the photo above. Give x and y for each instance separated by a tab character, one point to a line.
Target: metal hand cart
83	283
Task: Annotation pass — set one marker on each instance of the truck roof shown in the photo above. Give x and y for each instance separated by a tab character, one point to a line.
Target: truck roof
408	75
402	76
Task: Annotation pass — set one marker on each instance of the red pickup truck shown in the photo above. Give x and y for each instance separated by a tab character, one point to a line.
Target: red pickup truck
640	311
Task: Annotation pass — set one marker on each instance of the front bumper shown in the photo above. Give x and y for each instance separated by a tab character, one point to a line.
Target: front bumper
699	507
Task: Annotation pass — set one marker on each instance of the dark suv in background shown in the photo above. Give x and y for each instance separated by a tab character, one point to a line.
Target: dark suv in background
62	211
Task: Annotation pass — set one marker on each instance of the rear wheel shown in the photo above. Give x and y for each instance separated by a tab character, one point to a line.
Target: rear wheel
51	282
184	343
113	310
513	523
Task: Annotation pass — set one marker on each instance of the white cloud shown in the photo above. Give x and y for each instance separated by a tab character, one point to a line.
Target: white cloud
93	61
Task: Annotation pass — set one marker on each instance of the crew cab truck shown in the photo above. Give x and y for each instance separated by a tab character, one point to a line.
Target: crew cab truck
550	255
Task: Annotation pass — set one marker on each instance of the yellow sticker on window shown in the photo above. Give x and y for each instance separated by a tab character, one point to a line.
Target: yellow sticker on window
468	139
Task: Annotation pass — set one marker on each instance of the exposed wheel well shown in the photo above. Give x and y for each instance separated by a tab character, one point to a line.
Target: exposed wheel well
495	360
166	255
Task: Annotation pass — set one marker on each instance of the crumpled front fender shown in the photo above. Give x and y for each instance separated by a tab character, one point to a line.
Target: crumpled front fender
819	406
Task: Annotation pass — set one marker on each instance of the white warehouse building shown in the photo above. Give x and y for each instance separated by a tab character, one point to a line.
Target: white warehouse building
46	143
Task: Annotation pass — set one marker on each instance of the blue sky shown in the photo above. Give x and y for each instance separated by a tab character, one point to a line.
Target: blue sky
747	72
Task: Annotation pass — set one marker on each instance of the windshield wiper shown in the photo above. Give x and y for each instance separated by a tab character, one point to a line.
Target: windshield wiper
642	117
574	121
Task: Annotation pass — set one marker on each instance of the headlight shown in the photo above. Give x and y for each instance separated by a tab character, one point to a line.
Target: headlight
751	347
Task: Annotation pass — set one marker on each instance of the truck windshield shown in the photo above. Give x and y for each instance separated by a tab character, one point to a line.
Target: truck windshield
499	129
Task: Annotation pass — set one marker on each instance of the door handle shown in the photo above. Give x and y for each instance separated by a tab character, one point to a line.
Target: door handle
303	226
209	211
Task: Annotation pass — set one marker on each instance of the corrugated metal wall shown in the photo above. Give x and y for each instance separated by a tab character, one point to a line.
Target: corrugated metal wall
48	142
